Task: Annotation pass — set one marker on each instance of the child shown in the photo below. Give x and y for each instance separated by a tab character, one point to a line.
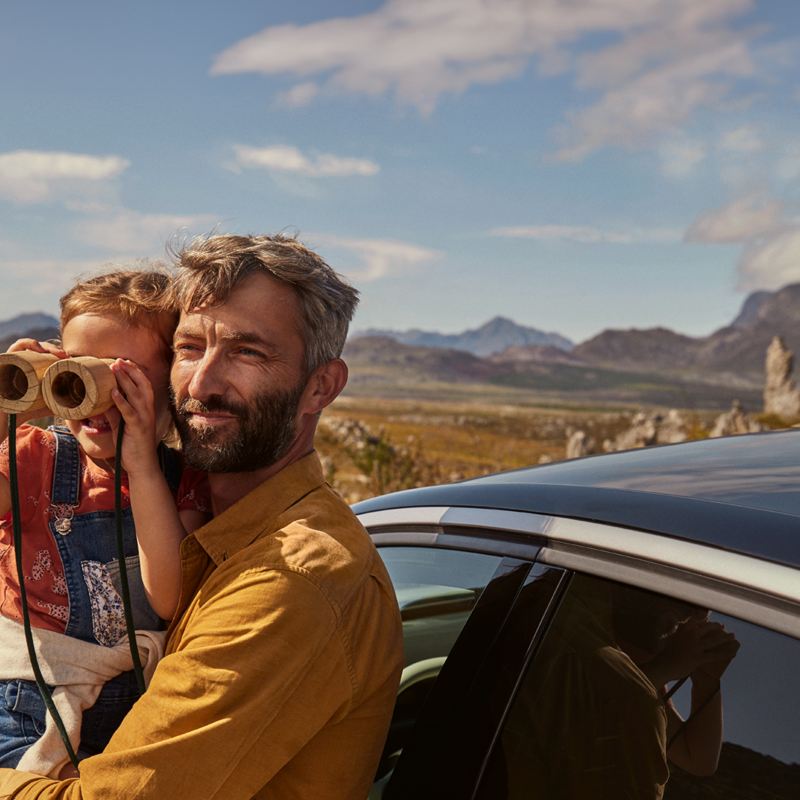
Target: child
66	488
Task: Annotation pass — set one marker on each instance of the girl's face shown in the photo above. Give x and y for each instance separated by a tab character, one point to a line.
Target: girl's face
106	337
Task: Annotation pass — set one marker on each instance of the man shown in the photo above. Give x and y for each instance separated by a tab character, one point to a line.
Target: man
593	722
284	657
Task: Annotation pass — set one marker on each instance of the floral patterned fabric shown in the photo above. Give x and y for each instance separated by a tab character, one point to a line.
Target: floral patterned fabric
108	613
44	572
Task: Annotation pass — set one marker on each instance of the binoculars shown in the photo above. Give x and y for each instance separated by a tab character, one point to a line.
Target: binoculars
69	388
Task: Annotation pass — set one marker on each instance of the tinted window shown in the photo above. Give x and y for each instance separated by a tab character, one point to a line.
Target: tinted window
594	717
436	590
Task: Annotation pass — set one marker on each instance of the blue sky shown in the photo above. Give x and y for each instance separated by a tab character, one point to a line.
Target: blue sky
571	164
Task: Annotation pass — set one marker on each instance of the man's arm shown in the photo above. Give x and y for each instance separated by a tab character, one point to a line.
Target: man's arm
259	668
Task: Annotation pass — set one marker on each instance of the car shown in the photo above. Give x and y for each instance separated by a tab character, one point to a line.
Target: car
621	625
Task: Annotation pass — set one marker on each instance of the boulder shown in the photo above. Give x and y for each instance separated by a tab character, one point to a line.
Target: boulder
580	444
781	395
733	422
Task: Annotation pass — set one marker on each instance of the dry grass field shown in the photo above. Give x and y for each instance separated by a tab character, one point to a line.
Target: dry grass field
374	445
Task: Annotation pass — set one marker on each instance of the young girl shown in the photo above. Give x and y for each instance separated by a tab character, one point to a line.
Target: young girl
66	489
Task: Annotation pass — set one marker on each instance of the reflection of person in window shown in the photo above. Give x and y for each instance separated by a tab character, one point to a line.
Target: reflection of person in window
591	724
669	641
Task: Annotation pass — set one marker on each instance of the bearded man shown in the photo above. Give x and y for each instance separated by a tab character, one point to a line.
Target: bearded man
284	657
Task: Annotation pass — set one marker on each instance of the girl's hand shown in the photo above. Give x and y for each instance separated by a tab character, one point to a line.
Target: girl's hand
34	346
51	347
135	401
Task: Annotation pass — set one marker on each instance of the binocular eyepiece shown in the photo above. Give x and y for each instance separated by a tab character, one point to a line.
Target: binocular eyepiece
69	388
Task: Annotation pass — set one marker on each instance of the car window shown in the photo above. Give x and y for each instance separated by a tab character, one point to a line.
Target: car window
444	752
634	694
436	590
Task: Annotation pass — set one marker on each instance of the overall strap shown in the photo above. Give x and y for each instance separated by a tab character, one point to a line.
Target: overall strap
67	468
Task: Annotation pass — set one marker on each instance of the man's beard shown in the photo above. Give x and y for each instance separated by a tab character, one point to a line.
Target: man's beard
264	433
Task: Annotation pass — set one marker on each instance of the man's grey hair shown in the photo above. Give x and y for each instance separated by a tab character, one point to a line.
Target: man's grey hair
210	268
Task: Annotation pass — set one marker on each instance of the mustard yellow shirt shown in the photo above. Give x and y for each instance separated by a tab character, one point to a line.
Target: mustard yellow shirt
282	664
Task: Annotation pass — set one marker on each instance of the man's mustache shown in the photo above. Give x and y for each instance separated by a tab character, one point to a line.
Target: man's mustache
214	403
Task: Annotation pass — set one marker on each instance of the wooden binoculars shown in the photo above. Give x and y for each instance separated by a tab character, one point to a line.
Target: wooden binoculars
69	388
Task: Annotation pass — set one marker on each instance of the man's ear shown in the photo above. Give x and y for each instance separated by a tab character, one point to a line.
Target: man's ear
323	386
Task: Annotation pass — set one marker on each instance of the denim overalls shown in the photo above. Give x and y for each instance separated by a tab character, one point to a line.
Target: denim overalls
88	549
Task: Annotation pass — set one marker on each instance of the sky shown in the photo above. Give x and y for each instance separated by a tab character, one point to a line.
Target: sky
574	165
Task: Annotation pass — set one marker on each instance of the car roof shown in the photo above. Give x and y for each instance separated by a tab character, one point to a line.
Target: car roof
741	493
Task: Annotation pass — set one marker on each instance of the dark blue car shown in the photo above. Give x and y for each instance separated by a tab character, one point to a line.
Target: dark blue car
619	626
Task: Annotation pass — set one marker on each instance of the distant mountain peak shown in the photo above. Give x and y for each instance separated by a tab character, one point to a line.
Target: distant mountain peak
22	323
497	324
751	308
494	336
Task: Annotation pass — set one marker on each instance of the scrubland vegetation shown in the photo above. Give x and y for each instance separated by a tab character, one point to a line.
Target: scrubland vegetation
371	446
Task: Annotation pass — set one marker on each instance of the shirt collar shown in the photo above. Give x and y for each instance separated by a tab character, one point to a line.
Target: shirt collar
242	523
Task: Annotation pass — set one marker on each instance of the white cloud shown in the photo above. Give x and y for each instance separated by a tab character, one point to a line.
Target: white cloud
770	240
655	78
299	95
380	258
285	158
35	176
742	140
680	156
664	60
772	263
138	234
740	221
588	235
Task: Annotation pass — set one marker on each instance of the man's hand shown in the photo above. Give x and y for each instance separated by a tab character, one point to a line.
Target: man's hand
698	648
135	400
721	648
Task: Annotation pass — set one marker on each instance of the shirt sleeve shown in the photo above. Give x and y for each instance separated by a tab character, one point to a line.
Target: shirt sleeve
258	672
193	492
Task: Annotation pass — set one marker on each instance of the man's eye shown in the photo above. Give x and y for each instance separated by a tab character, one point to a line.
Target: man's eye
248	351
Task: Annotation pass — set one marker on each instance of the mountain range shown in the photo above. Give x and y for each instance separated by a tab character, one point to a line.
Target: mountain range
492	337
35	326
22	323
504	359
736	349
653	366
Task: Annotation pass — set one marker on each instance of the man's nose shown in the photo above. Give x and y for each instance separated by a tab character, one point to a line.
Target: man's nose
207	378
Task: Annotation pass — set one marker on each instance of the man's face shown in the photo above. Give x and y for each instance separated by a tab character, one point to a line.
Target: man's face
238	378
646	619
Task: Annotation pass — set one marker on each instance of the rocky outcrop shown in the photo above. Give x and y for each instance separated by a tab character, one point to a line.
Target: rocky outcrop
653	428
646	429
781	395
580	444
733	422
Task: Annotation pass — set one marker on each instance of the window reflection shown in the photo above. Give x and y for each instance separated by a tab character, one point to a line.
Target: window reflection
596	717
436	590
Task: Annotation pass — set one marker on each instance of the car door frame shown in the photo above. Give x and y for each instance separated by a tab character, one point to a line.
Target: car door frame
451	740
761	592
